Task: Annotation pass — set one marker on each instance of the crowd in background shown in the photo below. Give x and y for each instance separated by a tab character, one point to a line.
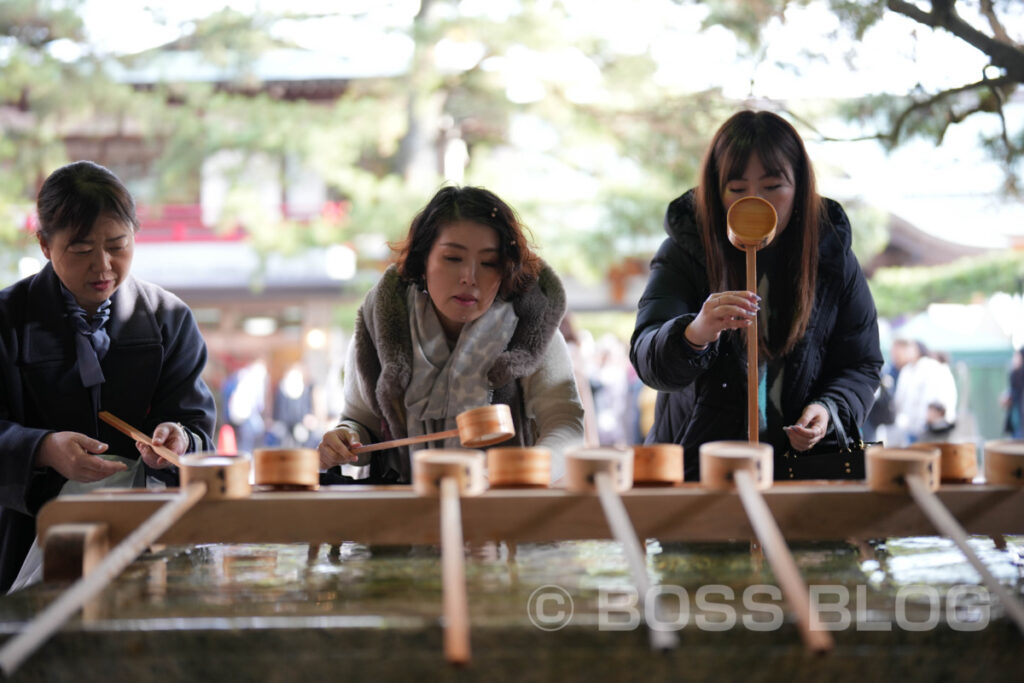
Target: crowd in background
918	399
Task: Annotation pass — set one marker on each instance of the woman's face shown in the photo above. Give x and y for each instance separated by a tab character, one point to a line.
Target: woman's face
463	274
756	182
92	268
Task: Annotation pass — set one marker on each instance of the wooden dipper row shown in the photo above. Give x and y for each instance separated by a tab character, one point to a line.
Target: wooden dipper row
894	470
286	468
202	476
608	471
659	464
477	428
747	467
518	467
958	462
1004	462
751	225
448	473
226	476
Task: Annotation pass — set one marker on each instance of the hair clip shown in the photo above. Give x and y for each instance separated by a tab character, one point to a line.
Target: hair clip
512	243
494	212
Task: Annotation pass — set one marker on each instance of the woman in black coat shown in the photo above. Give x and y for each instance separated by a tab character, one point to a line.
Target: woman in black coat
818	328
82	336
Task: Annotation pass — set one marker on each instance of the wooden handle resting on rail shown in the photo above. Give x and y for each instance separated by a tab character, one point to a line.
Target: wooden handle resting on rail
126	429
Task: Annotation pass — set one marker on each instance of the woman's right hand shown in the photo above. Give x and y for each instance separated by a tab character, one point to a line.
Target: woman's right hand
722	311
335	447
73	455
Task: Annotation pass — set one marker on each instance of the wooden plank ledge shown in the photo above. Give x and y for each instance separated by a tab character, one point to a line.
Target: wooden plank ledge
396	515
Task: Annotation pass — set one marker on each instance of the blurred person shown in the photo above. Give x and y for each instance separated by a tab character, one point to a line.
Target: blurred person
1013	399
883	410
245	400
81	336
467	317
576	341
937	427
611	381
292	411
818	328
923	380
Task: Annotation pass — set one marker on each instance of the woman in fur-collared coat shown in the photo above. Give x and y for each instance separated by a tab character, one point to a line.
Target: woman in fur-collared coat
467	317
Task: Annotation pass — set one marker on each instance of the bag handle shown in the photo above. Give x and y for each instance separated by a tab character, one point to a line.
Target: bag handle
837	424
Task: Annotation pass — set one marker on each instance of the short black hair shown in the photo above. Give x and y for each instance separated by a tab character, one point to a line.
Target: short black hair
75	195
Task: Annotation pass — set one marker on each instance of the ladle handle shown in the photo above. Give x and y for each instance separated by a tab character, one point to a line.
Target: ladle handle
753	414
422	438
126	429
947	525
453	575
20	647
623	531
781	560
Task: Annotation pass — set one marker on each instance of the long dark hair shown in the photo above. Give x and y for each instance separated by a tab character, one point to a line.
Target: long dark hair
75	195
777	144
520	265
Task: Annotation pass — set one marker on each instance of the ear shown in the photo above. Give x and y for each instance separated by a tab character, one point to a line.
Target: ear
43	244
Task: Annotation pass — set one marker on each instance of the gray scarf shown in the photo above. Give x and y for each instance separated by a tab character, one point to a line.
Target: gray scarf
446	382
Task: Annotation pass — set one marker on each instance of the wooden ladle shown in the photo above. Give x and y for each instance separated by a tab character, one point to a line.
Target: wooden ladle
1004	462
451	473
899	470
518	467
751	225
202	477
748	468
609	471
477	428
126	429
658	464
286	469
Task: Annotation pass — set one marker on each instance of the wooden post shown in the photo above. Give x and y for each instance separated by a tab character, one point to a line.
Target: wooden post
71	551
781	561
20	647
453	575
949	527
753	412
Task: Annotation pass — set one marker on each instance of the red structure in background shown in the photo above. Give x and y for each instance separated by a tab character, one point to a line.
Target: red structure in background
184	222
180	223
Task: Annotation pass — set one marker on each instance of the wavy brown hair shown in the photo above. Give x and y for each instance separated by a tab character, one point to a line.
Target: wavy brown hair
781	151
520	265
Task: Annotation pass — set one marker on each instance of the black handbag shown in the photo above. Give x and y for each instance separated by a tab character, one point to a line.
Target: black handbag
838	456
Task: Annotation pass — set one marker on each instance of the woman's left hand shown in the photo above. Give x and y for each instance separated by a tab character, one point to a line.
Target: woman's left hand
809	429
169	434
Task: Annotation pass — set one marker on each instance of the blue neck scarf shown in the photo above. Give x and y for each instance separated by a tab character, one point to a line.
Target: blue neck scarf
91	339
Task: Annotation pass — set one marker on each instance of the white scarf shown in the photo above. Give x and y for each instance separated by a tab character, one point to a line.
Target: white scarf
446	382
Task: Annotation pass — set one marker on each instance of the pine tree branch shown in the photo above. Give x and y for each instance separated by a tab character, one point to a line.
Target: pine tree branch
998	30
1007	56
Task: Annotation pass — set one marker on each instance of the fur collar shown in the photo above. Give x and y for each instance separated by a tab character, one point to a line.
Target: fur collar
384	345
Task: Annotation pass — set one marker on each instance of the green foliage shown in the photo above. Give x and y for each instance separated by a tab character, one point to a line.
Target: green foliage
745	18
907	290
859	16
619	324
592	180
